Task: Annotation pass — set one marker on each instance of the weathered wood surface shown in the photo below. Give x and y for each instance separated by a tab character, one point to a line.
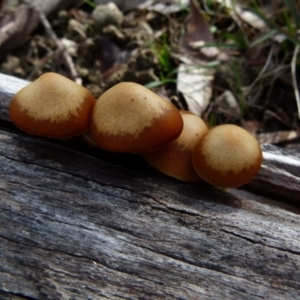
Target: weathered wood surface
278	178
73	226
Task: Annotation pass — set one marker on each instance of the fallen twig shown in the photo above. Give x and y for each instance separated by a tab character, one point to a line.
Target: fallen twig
67	57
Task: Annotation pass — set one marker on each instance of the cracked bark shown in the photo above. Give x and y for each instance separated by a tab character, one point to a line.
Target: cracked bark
75	224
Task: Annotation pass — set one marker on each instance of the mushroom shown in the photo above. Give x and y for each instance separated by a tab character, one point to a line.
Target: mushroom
175	159
52	106
227	156
130	118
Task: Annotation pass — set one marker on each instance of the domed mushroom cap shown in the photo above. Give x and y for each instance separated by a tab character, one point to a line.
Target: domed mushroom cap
175	159
227	156
52	106
130	118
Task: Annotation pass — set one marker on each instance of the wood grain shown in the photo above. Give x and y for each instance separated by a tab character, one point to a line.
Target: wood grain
73	226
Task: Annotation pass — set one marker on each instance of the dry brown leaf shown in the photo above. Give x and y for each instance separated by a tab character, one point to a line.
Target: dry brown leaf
196	73
198	33
194	81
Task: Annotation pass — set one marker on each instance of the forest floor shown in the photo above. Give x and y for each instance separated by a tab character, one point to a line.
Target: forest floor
223	60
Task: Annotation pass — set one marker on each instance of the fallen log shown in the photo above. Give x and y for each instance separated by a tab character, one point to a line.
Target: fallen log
279	177
74	226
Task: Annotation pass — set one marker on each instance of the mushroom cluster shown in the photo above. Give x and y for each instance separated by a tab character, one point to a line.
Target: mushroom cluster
130	118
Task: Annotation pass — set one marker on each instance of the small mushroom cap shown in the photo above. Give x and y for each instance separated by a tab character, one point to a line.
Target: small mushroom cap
175	159
130	118
52	106
228	156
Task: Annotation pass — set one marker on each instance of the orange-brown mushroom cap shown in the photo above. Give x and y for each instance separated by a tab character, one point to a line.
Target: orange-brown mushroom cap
227	156
130	118
175	159
52	106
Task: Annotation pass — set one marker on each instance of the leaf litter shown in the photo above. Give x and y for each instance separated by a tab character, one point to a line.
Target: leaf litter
227	61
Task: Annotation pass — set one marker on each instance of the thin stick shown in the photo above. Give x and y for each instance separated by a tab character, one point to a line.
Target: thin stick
294	77
249	88
59	45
